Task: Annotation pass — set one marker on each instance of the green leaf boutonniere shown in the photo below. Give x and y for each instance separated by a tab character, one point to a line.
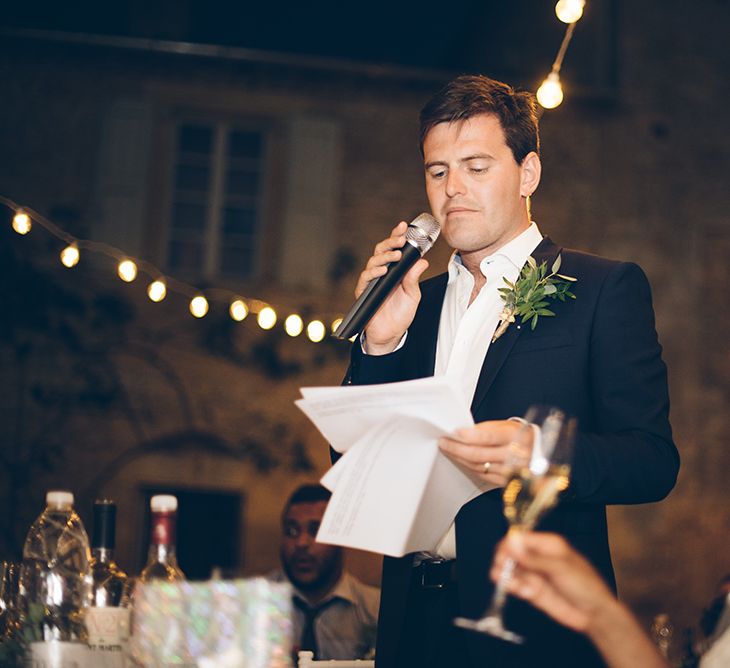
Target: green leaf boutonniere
528	297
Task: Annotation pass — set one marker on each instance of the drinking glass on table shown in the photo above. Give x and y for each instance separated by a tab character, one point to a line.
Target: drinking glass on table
9	573
532	489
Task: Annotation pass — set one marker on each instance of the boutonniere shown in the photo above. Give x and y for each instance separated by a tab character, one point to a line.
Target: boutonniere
528	297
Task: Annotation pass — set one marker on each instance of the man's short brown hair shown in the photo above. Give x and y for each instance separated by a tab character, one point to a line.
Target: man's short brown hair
472	95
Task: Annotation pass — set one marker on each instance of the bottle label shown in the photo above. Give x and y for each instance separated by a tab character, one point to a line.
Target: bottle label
163	528
107	626
56	654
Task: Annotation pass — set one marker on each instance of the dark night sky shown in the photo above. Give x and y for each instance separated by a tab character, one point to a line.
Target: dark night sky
516	39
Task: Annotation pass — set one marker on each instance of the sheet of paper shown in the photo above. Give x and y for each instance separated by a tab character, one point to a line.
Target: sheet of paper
393	491
343	414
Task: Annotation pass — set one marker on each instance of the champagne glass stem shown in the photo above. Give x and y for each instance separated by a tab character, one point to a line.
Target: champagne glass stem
500	592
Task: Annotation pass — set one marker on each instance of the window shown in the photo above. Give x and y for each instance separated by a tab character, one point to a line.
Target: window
208	530
215	217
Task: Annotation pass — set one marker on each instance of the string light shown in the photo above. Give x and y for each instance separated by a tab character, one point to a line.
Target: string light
199	306
157	290
266	317
238	310
127	270
316	331
293	325
21	222
569	11
335	324
70	256
550	93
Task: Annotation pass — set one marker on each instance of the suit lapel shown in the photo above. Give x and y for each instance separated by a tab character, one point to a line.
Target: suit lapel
429	315
497	354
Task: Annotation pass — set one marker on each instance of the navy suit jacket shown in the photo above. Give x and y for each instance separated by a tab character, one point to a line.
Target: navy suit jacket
599	359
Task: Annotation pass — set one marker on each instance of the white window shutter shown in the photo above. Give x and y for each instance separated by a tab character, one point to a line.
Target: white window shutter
311	212
123	176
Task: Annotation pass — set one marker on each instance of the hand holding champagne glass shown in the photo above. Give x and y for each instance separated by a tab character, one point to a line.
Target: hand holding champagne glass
532	489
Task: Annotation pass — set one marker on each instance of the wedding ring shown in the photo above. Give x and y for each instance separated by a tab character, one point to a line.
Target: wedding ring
486	466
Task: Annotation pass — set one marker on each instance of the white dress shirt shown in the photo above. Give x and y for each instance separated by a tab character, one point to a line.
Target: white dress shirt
466	330
346	627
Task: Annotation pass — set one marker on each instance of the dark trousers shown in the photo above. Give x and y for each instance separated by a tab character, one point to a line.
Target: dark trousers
429	638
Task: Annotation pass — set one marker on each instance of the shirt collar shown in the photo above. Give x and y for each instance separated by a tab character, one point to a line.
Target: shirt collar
342	590
516	251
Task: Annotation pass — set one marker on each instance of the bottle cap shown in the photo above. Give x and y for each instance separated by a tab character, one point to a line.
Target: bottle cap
59	498
163	503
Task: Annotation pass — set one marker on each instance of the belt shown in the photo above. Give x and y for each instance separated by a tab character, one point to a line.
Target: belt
435	573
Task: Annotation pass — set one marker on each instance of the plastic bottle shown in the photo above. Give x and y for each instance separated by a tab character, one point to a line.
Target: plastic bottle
55	585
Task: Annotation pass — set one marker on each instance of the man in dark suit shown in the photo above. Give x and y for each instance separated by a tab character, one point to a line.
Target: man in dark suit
597	358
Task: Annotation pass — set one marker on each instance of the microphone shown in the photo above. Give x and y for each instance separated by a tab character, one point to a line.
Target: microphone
422	231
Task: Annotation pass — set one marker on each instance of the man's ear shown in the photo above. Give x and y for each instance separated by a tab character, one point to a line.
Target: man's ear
530	171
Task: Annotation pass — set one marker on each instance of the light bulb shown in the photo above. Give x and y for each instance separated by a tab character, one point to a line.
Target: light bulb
157	290
238	310
336	323
127	270
199	306
293	325
266	317
316	331
550	93
21	222
569	11
70	256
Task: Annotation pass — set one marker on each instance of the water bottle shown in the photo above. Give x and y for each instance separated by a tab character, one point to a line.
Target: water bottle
55	586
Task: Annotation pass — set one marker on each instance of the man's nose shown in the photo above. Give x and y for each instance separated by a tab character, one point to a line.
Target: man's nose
305	539
454	184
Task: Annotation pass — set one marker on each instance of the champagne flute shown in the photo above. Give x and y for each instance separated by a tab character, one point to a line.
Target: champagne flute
531	490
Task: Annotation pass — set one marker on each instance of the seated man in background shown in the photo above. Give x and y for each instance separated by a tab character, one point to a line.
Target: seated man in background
335	615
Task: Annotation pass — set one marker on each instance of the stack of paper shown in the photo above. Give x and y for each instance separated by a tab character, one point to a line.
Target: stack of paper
393	491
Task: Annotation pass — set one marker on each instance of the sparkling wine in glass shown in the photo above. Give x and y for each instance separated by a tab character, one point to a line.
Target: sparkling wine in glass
532	489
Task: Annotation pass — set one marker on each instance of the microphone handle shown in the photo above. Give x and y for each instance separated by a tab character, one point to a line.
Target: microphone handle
375	294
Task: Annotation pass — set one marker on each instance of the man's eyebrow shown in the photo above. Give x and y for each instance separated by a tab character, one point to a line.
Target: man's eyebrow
477	156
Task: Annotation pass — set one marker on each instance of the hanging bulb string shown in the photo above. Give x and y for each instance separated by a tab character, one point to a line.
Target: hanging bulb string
100	247
550	92
558	63
36	217
241	306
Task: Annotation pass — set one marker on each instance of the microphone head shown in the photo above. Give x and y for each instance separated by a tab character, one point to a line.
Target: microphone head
422	232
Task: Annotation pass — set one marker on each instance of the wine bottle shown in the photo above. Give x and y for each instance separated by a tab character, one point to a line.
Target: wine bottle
108	618
161	557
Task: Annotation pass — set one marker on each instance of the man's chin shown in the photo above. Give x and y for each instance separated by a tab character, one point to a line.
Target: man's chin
304	581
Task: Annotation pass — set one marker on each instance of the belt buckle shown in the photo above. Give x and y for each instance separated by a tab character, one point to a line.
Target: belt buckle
424	572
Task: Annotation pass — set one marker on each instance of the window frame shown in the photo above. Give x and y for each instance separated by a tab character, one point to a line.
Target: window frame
222	126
